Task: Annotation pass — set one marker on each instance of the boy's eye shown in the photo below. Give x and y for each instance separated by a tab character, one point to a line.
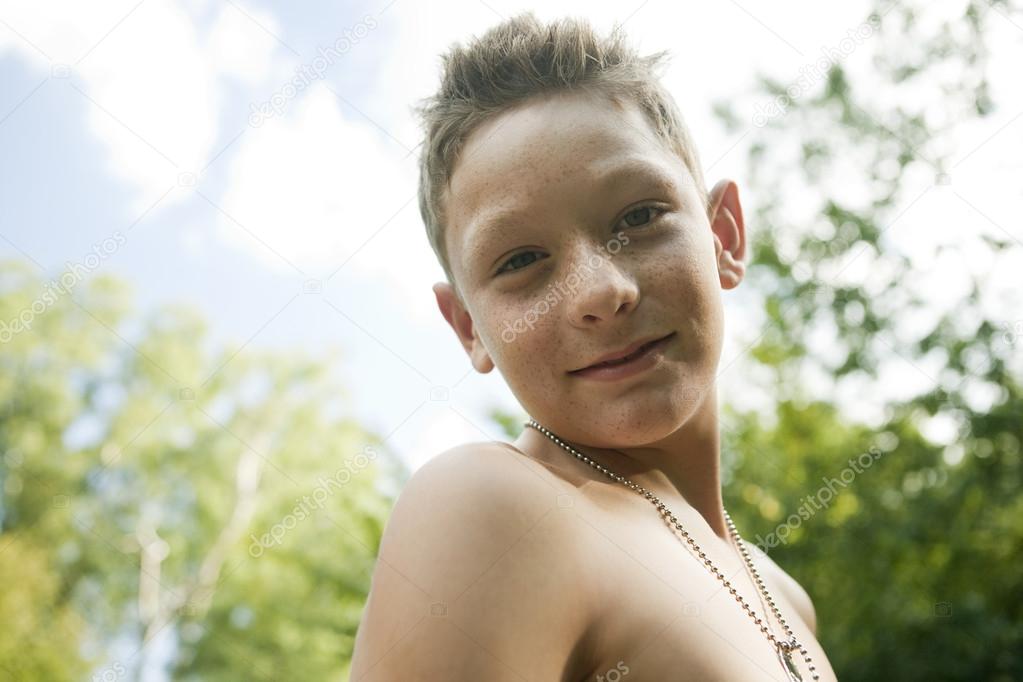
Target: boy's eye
517	258
637	217
640	216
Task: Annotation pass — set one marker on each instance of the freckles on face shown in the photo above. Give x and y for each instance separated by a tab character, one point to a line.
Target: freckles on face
541	190
684	277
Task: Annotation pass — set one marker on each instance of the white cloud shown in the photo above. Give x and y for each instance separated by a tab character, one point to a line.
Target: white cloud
239	48
312	184
152	78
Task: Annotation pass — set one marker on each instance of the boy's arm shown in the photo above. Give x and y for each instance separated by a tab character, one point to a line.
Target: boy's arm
466	586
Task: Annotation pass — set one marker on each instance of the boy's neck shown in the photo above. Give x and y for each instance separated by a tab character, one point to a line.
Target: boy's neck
686	465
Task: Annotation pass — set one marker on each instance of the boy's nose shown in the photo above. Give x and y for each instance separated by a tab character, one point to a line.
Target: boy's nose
604	291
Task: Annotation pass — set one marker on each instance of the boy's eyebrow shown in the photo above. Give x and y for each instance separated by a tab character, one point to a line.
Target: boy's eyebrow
481	228
493	221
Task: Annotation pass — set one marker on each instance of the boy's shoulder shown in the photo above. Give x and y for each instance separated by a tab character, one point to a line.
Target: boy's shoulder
789	587
471	567
475	477
466	506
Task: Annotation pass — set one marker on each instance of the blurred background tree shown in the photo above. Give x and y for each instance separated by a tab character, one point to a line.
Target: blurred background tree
163	508
915	566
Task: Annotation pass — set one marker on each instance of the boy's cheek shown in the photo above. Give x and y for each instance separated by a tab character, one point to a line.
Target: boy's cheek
524	326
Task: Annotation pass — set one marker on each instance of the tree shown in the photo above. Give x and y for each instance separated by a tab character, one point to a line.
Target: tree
912	563
908	543
222	504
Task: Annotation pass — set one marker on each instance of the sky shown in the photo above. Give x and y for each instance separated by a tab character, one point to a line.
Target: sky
288	215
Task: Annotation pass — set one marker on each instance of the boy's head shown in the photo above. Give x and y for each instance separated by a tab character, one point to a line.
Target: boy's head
564	199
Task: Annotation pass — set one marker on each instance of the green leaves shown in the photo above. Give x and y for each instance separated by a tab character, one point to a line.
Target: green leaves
136	467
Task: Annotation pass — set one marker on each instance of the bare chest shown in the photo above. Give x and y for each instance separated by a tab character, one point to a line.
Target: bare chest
663	615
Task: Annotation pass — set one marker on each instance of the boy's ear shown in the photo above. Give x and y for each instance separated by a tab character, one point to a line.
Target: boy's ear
458	317
725	214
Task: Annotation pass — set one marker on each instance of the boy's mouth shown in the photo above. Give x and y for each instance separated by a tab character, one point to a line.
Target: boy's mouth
624	356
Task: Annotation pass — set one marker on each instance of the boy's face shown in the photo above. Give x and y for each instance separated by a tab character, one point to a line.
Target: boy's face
573	232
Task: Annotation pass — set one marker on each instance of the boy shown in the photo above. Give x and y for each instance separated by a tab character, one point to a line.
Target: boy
565	201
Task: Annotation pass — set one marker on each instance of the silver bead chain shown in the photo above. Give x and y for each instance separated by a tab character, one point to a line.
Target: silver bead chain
792	643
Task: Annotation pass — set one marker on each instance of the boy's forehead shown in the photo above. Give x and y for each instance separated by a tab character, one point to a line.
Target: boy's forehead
545	138
512	160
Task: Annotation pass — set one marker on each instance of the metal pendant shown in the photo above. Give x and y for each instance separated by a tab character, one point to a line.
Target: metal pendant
791	671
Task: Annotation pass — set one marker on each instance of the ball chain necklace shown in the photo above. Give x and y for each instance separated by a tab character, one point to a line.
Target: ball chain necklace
785	648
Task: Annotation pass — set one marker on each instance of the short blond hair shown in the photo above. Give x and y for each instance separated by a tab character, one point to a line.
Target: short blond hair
522	58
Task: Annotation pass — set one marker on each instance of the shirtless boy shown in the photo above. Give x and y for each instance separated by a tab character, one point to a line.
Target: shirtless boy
564	199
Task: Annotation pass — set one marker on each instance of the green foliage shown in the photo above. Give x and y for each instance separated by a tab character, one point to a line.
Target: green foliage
151	489
36	627
910	555
913	565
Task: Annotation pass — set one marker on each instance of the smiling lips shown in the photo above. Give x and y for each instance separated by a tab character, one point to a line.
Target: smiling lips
625	355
